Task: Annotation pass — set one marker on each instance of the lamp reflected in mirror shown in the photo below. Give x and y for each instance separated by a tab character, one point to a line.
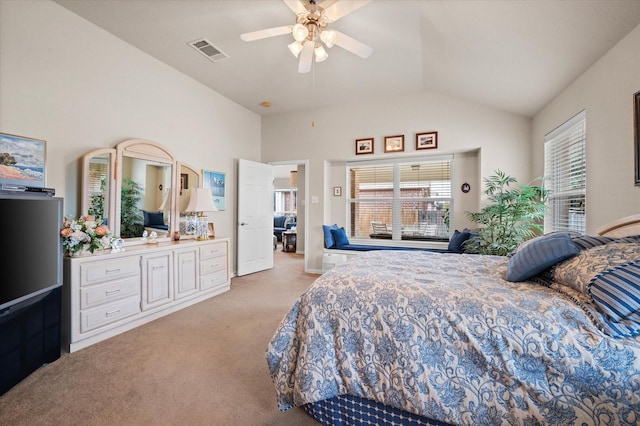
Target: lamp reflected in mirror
200	203
165	206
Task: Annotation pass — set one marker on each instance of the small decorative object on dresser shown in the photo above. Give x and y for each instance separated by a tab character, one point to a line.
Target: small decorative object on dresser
427	140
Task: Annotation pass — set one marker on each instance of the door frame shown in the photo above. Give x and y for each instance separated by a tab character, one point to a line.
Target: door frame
304	163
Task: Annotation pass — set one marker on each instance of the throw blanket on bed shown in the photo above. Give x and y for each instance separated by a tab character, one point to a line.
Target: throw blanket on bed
446	337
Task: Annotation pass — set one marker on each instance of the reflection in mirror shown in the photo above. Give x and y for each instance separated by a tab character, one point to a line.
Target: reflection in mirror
98	186
145	193
189	179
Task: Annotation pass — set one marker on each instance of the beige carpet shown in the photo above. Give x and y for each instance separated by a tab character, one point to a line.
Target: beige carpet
203	365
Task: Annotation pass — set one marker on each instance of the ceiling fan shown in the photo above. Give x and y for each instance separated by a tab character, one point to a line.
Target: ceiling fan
310	31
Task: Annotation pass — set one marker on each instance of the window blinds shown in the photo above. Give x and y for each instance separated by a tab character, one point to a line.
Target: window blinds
565	176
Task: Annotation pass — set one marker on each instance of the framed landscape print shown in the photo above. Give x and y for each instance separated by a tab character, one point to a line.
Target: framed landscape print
215	182
364	146
394	143
427	140
22	161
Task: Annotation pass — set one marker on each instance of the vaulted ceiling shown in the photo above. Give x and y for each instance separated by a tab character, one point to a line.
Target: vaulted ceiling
512	55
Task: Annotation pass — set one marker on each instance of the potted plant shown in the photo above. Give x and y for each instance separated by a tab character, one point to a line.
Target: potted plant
513	215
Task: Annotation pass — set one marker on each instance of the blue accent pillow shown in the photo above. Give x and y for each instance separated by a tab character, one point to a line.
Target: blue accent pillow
329	242
457	240
340	237
539	254
155	219
616	291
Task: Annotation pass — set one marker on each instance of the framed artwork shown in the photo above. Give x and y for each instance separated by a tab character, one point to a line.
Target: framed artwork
215	182
636	132
184	182
364	146
427	140
394	143
337	191
22	161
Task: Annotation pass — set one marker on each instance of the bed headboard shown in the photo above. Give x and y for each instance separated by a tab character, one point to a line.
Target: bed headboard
623	227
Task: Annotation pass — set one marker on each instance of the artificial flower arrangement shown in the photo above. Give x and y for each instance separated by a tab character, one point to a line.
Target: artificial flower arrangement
84	234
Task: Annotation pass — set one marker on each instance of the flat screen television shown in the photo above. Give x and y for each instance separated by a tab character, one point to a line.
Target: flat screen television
31	263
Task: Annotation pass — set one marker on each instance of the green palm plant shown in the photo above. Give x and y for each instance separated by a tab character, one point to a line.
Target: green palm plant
131	221
512	216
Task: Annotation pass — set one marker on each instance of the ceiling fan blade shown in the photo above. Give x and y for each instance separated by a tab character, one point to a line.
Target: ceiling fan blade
306	57
353	45
296	6
269	32
342	8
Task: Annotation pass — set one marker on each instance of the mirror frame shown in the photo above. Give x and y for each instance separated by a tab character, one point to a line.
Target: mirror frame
145	150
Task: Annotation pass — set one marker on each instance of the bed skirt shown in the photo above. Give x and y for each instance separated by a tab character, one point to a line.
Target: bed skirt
349	410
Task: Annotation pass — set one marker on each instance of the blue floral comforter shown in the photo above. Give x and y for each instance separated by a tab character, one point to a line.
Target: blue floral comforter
446	337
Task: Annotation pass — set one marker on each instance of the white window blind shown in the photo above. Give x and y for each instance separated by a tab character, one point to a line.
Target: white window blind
565	176
408	198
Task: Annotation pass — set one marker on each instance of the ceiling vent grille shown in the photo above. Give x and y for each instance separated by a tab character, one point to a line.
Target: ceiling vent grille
211	52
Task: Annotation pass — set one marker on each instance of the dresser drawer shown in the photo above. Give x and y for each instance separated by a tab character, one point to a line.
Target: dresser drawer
107	314
213	250
212	265
93	273
109	292
213	279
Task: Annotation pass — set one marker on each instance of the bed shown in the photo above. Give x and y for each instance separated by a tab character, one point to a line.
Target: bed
444	339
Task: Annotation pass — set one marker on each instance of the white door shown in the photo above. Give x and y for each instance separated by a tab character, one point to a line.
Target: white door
255	217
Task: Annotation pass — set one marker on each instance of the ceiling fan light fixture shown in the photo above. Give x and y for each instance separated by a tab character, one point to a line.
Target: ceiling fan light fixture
329	38
320	53
295	48
300	32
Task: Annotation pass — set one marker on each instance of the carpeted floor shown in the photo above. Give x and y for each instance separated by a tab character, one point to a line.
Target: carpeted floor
203	365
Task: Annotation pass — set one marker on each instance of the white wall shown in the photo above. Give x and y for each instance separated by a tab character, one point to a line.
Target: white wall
605	91
65	80
461	126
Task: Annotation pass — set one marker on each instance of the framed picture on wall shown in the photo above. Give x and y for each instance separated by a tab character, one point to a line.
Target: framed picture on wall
636	133
22	161
364	146
427	140
394	143
215	182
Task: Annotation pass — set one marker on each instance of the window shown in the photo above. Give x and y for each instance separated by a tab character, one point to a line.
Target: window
565	176
400	200
284	202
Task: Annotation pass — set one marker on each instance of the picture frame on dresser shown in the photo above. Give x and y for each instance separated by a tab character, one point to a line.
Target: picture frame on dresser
22	161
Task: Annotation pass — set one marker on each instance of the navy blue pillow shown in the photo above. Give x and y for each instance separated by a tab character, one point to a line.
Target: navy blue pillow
457	240
329	242
340	237
155	219
539	254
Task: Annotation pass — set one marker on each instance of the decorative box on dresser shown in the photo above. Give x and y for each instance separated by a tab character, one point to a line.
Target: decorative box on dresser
107	294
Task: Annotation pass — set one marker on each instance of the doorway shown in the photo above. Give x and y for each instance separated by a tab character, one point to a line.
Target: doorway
289	202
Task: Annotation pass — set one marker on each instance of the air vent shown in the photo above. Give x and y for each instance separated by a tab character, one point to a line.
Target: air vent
211	52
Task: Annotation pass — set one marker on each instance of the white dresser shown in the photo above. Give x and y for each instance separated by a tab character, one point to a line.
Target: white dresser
107	294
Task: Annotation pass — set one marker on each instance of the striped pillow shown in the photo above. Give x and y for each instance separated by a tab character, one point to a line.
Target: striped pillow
584	242
616	291
539	254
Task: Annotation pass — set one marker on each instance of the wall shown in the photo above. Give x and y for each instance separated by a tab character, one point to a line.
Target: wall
65	80
495	139
605	91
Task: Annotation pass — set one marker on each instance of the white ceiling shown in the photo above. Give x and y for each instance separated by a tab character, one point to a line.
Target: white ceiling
513	55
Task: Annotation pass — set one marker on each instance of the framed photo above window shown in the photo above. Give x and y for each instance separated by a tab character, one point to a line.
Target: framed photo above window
427	140
364	146
636	132
22	161
394	143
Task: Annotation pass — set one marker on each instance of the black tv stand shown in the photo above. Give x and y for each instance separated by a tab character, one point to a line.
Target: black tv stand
30	336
